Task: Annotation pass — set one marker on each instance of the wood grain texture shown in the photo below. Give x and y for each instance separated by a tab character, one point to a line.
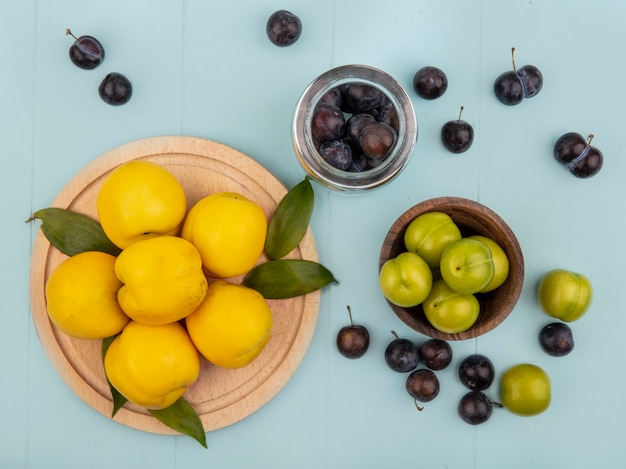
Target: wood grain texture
472	218
220	396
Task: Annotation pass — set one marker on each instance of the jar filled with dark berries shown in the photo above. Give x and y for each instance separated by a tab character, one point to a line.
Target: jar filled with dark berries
354	128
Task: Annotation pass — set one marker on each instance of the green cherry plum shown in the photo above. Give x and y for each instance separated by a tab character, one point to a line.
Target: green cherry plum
500	263
429	234
564	295
525	389
467	266
449	311
405	280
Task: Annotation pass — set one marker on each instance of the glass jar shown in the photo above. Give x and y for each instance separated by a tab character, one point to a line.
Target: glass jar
344	180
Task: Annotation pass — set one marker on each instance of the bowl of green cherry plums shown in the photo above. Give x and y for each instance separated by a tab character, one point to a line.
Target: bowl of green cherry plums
451	268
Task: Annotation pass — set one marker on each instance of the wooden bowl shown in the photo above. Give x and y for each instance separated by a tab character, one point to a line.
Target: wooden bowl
472	218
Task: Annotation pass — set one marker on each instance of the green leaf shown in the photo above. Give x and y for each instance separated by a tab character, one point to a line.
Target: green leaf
72	232
182	417
118	399
290	220
288	278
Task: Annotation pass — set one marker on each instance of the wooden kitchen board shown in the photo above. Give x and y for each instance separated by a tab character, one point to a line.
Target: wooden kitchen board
221	397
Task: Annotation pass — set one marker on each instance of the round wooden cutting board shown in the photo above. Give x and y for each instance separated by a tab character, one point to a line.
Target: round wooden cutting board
221	397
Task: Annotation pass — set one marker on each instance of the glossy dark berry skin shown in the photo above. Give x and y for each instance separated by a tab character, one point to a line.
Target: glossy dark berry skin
333	97
513	86
568	147
556	339
508	88
361	97
86	52
353	341
430	82
387	114
402	355
115	89
377	140
582	159
328	122
532	80
423	385
475	408
436	354
476	372
355	125
457	136
283	28
588	165
361	163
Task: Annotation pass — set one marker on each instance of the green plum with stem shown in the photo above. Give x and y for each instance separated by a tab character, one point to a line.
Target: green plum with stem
467	266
